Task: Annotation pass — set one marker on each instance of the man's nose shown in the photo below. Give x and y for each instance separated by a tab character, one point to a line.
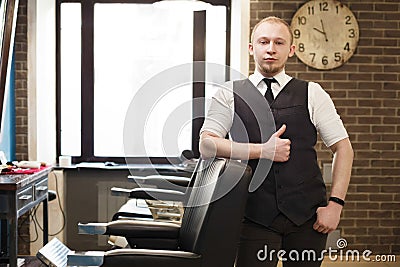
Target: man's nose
271	47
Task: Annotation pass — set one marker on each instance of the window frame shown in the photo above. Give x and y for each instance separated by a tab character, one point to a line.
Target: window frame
87	79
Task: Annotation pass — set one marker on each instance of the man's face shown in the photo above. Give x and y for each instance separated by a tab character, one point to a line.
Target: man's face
271	48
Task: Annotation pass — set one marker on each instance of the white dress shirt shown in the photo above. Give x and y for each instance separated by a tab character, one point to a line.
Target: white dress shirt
321	108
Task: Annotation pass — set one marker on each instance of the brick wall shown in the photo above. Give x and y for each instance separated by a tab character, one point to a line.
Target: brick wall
21	112
366	92
21	92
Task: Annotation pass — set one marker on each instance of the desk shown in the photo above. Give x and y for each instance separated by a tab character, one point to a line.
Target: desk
18	194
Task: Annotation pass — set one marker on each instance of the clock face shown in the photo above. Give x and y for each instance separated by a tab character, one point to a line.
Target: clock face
325	34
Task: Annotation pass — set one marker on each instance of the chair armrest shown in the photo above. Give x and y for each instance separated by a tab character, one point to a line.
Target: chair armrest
149	193
92	228
151	258
151	252
88	258
132	228
118	191
133	208
161	181
157	194
132	257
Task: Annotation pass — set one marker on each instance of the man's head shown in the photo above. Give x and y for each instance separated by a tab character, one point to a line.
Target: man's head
271	45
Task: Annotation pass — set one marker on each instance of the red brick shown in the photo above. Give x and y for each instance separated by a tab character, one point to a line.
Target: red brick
382	163
379	214
390	188
381	180
367	239
356	180
383	146
380	231
347	222
357	197
355	231
367	206
390	222
355	214
370	103
387	7
361	145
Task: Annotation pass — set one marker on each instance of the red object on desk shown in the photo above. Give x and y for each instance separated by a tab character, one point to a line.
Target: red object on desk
15	170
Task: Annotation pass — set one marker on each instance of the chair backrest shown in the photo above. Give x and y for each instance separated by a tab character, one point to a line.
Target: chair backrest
212	219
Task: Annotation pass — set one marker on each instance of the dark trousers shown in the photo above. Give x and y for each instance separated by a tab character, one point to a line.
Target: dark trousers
296	245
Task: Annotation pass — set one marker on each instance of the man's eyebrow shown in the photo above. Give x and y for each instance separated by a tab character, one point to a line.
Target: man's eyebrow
269	38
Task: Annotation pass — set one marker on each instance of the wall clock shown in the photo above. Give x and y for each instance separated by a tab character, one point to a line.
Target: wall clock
325	33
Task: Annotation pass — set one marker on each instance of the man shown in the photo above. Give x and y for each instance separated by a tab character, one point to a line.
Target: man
289	210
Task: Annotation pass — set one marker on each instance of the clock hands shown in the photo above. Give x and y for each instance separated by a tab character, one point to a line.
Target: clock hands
322	31
322	24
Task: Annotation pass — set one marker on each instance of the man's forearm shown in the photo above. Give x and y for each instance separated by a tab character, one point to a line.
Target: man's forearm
212	146
276	149
328	217
341	168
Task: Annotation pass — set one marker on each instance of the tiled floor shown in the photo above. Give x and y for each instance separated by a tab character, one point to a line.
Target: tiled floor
373	263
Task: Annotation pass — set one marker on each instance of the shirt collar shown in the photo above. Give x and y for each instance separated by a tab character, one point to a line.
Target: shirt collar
281	78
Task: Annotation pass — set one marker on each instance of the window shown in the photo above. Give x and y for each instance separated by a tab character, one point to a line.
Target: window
109	53
71	79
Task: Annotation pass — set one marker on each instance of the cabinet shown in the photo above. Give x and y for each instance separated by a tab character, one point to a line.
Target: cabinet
18	194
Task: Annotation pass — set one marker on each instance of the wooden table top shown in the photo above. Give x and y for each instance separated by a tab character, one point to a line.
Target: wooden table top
16	181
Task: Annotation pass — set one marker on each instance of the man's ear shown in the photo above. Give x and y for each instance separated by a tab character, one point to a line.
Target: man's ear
292	50
251	49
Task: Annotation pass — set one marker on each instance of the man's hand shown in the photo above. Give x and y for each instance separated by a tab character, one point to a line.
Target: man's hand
328	218
275	148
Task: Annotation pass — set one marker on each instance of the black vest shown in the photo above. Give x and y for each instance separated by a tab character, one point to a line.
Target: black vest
295	187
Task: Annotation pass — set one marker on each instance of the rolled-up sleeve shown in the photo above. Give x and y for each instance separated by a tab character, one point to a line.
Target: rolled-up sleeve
219	117
325	117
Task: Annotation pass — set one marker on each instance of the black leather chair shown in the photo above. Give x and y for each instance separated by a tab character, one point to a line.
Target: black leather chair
165	192
132	210
167	188
210	226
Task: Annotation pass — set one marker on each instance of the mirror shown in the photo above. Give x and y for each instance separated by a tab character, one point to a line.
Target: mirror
8	19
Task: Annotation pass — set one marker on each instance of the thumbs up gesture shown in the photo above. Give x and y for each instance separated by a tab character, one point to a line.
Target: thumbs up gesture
277	149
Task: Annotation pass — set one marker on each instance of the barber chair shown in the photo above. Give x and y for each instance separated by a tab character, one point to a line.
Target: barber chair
136	207
208	235
157	197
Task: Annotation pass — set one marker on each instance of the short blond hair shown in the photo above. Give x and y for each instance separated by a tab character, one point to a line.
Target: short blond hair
272	19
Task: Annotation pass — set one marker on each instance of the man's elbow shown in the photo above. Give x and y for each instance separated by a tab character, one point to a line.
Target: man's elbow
207	147
344	148
349	149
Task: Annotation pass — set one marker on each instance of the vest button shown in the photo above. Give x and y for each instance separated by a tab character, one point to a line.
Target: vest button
276	171
280	186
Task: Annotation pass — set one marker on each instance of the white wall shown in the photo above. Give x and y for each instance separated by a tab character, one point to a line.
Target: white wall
41	80
240	36
42	102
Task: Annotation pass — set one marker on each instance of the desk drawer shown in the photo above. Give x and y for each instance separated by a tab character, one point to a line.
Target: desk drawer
41	188
24	197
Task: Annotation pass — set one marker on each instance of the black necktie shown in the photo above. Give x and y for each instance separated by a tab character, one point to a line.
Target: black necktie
268	94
